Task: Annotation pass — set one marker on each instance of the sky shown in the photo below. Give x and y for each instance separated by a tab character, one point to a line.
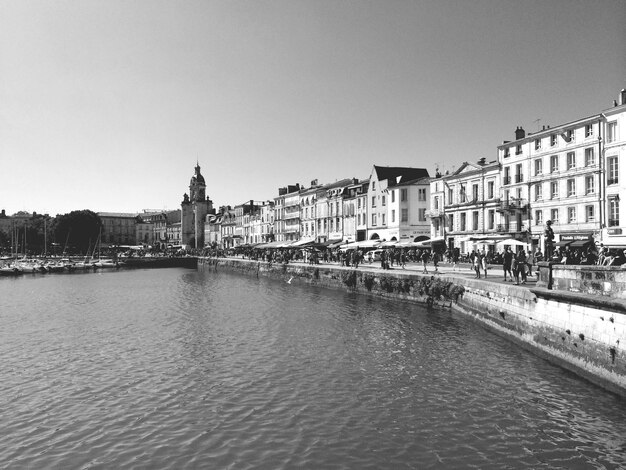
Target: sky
108	105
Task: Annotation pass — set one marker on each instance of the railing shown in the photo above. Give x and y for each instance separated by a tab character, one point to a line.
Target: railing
519	178
513	204
506	180
511	227
613	222
434	213
612	181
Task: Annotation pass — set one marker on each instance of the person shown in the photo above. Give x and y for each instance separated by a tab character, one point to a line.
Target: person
549	236
476	262
483	262
507	263
456	254
521	266
436	260
530	261
425	260
601	254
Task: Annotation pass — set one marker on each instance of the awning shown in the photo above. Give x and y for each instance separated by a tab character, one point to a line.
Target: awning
302	242
580	243
512	242
564	243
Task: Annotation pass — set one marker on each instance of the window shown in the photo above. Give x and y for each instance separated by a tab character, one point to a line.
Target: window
436	202
421	215
404	214
553	140
554	190
519	175
589	214
373	201
421	194
571	215
538	167
507	175
538	192
507	153
612	166
611	131
490	189
463	217
491	219
382	219
373	185
538	217
518	149
590	185
613	212
358	219
554	216
358	202
475	192
554	163
384	200
393	216
462	193
450	196
571	187
451	222
475	220
373	220
590	158
589	130
570	136
537	144
571	160
393	195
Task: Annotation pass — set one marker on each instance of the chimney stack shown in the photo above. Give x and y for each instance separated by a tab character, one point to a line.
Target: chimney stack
622	96
520	133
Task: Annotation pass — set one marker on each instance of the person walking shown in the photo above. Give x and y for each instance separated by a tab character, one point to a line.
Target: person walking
507	263
425	260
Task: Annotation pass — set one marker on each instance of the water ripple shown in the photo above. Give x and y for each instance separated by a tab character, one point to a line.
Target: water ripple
183	369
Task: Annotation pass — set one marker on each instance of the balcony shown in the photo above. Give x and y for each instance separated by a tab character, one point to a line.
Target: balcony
512	204
511	227
506	180
519	178
612	181
613	222
434	213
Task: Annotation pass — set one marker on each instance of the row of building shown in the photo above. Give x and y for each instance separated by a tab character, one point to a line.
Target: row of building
569	174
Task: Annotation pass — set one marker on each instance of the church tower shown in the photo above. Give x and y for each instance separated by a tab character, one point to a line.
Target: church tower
194	209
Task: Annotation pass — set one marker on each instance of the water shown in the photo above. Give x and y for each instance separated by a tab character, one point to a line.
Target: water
176	368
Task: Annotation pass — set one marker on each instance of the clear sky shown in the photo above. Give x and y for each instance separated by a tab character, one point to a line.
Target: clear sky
107	105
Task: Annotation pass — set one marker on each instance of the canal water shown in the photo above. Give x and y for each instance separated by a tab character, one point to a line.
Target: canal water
174	368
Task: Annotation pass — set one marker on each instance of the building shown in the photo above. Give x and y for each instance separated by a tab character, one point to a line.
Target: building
194	209
613	232
465	206
118	228
382	180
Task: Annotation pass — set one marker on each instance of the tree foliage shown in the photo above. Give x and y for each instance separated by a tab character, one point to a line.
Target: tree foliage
79	230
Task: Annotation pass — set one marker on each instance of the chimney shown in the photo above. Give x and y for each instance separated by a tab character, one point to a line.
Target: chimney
481	161
622	96
519	133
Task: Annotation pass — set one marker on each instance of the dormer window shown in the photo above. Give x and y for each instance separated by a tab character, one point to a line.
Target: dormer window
553	140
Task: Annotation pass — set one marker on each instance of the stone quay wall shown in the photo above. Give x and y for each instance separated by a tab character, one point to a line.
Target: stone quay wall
606	281
580	332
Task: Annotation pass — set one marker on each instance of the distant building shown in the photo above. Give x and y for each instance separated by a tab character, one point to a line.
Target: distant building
383	180
194	209
118	228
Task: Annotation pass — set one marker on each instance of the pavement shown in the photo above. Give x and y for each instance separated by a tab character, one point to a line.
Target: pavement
463	270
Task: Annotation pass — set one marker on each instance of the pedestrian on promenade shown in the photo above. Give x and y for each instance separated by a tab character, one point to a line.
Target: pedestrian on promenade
456	254
549	237
476	263
425	260
436	260
483	262
522	263
507	263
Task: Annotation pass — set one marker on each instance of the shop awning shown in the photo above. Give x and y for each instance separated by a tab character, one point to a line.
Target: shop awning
580	243
564	243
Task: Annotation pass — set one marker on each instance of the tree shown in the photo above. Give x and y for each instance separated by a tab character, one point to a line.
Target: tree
79	230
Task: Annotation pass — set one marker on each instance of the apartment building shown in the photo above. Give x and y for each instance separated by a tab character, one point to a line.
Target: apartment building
466	208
